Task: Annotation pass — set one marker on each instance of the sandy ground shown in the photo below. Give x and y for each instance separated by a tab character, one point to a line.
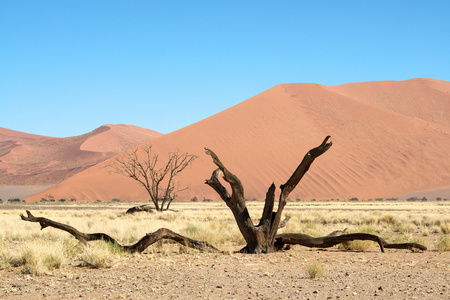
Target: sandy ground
20	191
396	274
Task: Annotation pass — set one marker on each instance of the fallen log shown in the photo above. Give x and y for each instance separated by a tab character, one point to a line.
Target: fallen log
140	246
145	207
283	239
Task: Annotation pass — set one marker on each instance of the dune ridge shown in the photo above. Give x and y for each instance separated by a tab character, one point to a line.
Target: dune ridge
27	159
390	138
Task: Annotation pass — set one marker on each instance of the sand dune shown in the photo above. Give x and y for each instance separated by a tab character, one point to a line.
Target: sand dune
390	138
40	161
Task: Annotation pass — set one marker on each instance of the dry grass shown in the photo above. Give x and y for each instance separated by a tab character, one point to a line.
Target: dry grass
443	243
100	254
35	251
314	270
358	245
34	259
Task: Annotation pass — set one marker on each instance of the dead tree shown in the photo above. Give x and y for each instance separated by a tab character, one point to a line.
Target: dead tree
260	238
158	182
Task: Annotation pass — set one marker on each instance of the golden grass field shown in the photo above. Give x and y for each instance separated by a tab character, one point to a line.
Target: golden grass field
24	246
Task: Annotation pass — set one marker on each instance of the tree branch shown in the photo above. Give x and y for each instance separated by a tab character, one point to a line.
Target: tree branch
217	186
331	240
140	246
295	178
236	185
304	166
268	206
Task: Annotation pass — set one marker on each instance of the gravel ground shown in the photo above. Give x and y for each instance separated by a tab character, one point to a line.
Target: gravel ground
396	274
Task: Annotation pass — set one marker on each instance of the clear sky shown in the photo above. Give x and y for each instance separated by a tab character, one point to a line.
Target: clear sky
68	67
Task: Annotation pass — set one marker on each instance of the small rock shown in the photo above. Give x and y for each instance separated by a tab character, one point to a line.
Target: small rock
219	286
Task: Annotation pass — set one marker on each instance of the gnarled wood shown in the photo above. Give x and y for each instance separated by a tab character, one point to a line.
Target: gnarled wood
140	246
334	239
323	242
260	238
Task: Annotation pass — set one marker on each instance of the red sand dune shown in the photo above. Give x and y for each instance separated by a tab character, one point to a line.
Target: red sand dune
390	138
27	159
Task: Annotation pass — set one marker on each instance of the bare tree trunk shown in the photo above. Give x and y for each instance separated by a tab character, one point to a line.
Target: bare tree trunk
260	238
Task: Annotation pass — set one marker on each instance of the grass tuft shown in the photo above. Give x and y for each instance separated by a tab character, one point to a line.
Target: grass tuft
359	245
445	228
98	255
314	270
443	244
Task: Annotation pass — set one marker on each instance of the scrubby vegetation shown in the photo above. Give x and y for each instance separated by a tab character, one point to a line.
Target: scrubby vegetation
23	245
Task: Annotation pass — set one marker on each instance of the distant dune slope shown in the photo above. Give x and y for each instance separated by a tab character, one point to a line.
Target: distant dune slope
27	159
389	138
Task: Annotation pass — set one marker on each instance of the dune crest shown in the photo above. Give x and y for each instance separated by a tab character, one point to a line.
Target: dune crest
390	138
27	159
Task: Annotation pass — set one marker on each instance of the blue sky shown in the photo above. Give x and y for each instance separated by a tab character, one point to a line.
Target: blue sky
68	67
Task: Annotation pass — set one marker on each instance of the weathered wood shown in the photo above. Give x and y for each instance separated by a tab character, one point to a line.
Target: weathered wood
235	201
140	246
408	246
334	239
260	238
323	242
140	208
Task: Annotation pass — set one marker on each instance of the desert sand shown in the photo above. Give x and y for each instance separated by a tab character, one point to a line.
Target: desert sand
31	163
390	138
349	275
